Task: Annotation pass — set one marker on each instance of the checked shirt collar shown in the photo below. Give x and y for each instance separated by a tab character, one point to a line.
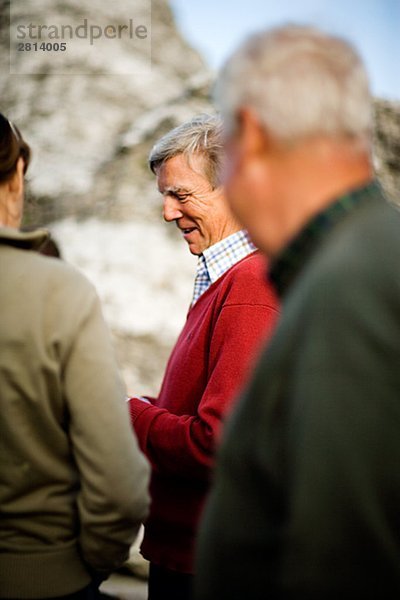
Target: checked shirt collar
218	259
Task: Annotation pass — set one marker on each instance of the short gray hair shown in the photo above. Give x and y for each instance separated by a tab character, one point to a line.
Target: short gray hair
202	135
300	82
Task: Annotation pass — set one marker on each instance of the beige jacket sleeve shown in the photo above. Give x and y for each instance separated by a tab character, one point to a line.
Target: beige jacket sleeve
113	499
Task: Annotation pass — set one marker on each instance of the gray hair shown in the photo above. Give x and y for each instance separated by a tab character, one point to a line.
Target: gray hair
300	82
202	135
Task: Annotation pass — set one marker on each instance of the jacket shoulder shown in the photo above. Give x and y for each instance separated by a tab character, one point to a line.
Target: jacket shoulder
358	263
56	271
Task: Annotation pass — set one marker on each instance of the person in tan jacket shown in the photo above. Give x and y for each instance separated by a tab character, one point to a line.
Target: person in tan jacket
73	483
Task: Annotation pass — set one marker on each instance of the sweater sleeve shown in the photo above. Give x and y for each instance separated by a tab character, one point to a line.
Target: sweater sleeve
113	474
184	445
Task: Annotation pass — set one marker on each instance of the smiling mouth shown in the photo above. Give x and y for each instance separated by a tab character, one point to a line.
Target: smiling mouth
188	230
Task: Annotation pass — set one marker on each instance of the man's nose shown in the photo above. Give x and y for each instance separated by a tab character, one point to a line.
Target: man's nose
171	209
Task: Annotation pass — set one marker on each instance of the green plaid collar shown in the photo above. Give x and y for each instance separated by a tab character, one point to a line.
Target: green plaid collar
289	263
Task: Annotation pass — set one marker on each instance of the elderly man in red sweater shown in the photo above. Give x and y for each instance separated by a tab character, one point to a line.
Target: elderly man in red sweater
232	312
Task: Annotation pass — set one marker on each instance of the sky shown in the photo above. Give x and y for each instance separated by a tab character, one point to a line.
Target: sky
216	27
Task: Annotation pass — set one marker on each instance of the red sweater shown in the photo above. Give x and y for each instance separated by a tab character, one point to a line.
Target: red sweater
179	430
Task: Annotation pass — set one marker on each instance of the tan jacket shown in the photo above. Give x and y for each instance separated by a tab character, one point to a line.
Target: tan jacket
73	484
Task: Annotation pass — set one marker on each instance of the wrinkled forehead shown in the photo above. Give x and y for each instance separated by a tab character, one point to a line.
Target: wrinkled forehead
181	173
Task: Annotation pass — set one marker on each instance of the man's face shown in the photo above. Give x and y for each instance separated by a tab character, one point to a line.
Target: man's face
234	178
245	185
249	178
200	212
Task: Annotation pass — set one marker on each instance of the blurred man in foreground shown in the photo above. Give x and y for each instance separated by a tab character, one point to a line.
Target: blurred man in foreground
232	311
307	491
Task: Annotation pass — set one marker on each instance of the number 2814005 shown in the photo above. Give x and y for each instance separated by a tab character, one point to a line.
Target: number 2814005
44	47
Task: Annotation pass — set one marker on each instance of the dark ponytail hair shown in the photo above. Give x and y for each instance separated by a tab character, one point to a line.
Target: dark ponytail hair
12	147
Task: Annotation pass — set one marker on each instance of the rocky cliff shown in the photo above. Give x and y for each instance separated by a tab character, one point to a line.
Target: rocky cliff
387	147
91	116
76	107
90	121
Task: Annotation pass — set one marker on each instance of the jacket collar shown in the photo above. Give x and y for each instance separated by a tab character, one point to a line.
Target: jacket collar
29	240
287	266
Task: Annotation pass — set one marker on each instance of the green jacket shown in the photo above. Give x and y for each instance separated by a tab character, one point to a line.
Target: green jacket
73	484
306	502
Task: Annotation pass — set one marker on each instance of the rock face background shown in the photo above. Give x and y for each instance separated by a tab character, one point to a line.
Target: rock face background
89	181
387	147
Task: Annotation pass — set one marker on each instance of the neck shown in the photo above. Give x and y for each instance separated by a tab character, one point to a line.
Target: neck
314	175
7	221
3	216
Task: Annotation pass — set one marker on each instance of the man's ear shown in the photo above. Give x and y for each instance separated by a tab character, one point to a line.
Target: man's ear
14	196
254	139
16	183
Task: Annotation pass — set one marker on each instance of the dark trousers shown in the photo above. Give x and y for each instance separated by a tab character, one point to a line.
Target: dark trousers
165	584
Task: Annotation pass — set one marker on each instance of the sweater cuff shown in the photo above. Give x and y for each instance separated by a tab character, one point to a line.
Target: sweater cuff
136	407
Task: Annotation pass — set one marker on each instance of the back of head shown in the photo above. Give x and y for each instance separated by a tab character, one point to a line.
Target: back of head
12	147
202	135
300	82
